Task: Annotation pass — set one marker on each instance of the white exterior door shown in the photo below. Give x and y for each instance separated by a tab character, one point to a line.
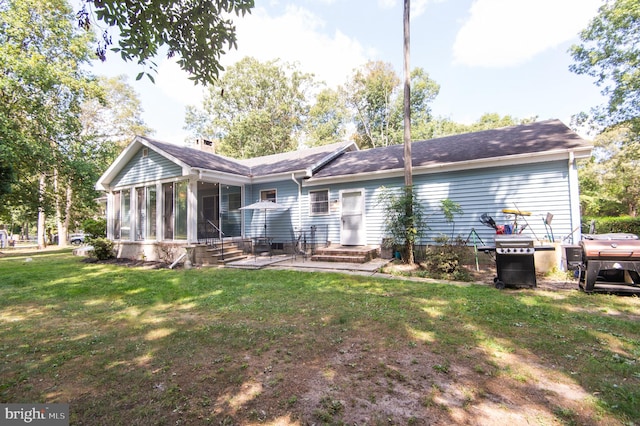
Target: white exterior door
352	228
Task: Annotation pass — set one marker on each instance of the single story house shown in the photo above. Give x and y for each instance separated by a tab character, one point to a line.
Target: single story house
163	195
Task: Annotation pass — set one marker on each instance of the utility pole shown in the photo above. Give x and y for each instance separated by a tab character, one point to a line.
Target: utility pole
408	167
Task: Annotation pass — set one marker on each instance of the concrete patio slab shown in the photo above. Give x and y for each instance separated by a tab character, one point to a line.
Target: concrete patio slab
300	263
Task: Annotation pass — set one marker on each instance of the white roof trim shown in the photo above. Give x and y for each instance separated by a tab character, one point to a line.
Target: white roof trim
222	177
103	183
330	157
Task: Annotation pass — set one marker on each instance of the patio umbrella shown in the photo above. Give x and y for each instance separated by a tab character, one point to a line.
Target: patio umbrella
264	205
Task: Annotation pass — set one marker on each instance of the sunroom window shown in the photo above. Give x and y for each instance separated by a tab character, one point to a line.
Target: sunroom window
146	212
175	210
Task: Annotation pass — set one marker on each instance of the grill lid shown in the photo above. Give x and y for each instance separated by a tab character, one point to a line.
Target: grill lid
610	236
513	241
611	246
514	244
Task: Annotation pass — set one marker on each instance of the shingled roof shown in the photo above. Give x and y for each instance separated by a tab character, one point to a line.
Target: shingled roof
286	162
201	159
344	160
303	159
538	137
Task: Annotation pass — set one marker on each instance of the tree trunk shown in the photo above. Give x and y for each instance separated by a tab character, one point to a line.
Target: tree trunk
68	206
408	171
42	186
61	221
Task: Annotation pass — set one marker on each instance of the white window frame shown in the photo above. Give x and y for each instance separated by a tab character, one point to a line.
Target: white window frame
264	194
312	203
174	224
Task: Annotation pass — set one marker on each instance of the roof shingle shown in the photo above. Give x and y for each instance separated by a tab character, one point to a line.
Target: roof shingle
530	138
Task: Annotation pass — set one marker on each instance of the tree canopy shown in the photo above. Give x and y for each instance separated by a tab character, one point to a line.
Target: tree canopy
42	86
375	96
609	180
198	31
260	109
59	126
610	52
265	108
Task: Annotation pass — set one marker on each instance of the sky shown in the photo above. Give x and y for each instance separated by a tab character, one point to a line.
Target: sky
489	56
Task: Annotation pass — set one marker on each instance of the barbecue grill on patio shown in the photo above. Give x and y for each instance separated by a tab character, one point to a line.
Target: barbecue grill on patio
610	263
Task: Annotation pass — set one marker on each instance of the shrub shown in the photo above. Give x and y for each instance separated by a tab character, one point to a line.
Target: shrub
402	230
444	260
605	225
95	228
102	248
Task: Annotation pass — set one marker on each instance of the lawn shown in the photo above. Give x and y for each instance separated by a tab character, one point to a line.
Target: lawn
127	346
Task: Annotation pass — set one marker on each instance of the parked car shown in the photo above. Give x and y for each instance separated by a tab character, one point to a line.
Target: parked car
76	239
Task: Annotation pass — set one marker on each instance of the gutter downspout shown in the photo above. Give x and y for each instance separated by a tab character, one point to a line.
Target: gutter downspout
574	193
293	178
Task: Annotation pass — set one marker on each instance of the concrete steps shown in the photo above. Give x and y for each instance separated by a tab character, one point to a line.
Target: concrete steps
210	256
345	254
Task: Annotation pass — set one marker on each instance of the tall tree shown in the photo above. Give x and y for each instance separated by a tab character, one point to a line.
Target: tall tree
258	109
115	116
199	31
610	52
328	119
41	89
375	96
609	181
370	95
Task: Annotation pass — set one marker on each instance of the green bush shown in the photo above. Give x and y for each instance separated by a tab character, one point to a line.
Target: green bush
402	230
443	261
102	249
604	225
95	228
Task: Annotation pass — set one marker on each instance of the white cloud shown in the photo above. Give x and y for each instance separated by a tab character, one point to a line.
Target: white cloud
297	37
175	83
502	33
294	37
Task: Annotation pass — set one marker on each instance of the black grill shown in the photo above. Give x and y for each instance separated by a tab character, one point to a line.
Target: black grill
515	262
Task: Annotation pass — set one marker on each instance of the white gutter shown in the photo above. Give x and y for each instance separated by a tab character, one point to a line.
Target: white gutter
574	201
293	178
224	177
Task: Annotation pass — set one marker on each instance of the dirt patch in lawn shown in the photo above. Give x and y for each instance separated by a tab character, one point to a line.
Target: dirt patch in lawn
359	382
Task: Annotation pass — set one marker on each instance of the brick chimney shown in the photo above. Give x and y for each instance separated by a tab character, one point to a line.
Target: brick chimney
205	145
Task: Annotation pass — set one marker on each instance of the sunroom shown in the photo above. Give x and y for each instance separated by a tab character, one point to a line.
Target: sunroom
156	205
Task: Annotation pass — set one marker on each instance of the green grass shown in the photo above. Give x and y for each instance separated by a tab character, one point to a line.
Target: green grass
133	346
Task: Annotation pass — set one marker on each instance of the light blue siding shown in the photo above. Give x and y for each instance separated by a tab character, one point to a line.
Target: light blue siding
280	223
147	169
537	188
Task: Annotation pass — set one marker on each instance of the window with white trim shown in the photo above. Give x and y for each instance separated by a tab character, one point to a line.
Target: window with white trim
122	214
145	212
319	202
268	195
175	210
